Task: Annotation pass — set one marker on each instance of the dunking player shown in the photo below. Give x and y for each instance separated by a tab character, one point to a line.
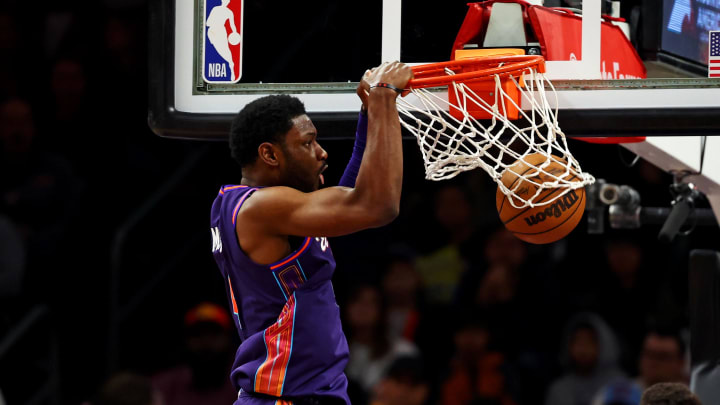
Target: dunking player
269	238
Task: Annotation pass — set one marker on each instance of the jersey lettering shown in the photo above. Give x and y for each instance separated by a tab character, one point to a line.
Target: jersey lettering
216	241
324	244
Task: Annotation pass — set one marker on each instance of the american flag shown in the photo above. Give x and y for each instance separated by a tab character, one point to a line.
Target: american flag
714	58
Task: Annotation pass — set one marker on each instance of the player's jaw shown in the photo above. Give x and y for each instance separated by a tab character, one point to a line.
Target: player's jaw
305	160
304	176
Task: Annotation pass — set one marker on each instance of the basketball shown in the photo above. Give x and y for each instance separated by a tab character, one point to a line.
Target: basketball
546	223
234	38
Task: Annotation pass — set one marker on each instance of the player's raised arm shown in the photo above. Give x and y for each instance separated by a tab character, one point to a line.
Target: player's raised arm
353	167
292	207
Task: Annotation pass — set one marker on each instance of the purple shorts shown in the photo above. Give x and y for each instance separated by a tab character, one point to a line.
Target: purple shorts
253	399
246	399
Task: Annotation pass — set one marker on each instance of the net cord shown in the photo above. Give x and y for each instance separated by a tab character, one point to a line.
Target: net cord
451	145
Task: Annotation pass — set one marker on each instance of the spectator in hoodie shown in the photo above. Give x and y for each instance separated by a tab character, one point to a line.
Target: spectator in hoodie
590	358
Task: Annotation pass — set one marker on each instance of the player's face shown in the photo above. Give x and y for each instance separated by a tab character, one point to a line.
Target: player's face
304	157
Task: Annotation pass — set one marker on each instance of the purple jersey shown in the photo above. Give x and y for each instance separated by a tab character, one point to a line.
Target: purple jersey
292	344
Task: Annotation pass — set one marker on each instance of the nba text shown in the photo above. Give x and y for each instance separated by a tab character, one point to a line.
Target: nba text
217	70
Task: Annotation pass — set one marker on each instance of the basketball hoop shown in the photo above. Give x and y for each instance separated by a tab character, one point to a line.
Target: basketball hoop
481	124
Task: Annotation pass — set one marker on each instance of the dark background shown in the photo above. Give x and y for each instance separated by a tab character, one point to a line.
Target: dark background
87	166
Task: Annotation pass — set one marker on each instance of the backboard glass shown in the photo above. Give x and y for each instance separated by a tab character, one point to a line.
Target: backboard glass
318	51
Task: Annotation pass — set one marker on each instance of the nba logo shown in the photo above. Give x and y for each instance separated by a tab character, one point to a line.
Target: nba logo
223	40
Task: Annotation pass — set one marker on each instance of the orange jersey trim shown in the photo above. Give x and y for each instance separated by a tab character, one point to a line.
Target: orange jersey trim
232	297
293	257
270	376
242	200
224	189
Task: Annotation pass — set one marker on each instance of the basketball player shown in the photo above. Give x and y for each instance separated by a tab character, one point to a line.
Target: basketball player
269	238
217	34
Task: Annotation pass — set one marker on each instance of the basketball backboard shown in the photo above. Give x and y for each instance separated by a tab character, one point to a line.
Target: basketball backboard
318	51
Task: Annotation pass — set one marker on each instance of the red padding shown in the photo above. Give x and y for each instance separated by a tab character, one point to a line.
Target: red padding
560	37
611	140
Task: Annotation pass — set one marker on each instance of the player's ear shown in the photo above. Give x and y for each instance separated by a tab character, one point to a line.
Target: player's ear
268	153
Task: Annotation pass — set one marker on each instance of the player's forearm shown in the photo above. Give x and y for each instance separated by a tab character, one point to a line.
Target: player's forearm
379	181
353	167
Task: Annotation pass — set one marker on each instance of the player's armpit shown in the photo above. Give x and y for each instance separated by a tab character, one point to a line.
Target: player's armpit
331	211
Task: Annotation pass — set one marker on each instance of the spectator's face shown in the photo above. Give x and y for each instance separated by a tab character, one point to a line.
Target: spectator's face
584	350
8	33
401	282
16	127
505	249
364	310
390	391
209	341
209	349
119	35
452	209
624	259
661	360
471	342
68	81
498	286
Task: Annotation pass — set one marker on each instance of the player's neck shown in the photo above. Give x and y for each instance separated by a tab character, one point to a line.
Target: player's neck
255	178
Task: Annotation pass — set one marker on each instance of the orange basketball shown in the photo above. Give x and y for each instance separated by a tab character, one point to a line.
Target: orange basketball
546	223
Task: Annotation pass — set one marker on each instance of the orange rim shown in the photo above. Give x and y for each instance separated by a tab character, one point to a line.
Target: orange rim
473	69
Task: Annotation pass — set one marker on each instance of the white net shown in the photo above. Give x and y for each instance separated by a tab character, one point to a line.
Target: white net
452	143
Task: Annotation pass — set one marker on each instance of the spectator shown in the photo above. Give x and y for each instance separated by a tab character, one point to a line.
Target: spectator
405	384
669	394
122	39
204	379
442	268
622	392
478	375
507	287
69	89
662	359
402	291
12	259
372	350
495	284
37	190
127	389
628	292
590	358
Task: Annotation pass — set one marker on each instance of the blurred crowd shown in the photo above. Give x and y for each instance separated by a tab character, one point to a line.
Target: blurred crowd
443	307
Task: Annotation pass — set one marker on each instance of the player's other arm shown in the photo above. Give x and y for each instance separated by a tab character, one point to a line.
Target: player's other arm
334	211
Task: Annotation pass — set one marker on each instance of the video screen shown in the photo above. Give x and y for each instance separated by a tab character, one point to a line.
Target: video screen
686	24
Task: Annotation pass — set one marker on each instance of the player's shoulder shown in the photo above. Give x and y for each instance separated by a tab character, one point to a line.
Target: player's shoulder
274	195
230	194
